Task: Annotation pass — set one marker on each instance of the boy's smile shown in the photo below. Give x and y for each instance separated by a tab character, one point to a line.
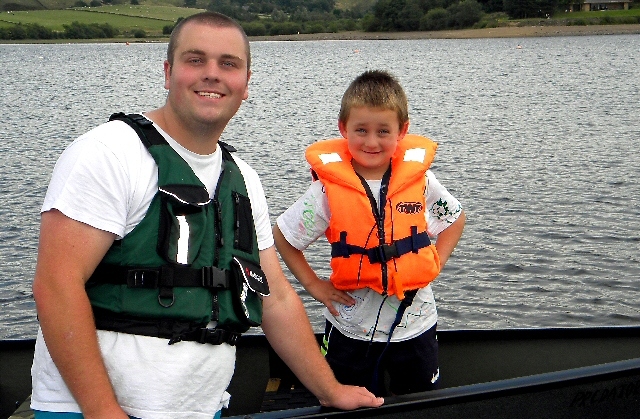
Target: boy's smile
372	135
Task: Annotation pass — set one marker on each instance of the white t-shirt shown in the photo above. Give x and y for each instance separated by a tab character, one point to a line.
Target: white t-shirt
371	317
107	179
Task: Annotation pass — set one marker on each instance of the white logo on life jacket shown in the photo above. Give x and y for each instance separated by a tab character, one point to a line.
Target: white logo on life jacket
253	275
243	298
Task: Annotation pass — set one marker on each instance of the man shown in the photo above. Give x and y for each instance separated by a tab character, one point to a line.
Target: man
102	193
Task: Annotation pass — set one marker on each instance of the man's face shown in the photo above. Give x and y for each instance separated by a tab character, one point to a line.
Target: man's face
209	77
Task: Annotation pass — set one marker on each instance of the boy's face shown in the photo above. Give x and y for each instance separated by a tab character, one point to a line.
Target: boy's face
372	135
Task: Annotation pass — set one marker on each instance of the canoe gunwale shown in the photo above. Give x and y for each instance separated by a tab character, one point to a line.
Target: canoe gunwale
469	393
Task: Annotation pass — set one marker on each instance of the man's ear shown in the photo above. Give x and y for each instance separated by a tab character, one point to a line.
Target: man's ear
167	74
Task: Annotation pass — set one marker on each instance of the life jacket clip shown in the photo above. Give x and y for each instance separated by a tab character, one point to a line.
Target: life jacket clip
213	277
218	336
383	253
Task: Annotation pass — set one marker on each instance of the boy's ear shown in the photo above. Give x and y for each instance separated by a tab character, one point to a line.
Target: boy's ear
343	129
403	130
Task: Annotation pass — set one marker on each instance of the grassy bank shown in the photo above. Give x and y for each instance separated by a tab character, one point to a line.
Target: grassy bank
125	18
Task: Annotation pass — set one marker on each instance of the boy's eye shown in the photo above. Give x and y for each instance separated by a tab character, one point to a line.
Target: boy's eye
383	132
361	130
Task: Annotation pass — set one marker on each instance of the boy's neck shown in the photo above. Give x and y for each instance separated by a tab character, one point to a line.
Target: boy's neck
367	173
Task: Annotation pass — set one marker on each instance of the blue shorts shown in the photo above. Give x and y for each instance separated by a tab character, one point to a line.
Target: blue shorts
39	414
410	366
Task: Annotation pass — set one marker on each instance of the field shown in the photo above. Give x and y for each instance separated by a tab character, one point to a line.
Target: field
127	18
590	15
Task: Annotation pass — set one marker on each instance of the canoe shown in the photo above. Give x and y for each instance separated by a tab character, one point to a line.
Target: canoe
589	372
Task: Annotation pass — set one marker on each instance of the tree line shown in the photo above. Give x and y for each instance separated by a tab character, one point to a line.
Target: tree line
285	17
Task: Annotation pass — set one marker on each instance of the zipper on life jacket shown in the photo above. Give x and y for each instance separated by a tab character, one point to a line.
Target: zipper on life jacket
378	209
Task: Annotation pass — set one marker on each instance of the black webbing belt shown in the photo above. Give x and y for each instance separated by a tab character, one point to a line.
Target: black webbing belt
382	253
165	276
172	329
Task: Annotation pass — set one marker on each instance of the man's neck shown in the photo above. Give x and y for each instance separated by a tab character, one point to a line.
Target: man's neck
197	139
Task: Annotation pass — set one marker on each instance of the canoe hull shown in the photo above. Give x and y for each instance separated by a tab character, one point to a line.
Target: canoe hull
510	373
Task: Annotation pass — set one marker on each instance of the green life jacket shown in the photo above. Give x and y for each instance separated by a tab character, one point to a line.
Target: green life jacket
189	261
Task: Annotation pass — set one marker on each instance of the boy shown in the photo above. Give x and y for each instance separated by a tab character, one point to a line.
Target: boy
377	203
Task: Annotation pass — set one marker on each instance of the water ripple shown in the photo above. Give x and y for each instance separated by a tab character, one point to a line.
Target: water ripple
532	141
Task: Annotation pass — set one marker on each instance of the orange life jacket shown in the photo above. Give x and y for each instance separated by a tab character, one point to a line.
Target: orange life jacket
389	252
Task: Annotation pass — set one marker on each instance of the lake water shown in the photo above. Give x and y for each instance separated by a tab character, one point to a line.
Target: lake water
539	143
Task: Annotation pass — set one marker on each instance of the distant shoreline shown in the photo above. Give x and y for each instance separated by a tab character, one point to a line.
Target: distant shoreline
501	32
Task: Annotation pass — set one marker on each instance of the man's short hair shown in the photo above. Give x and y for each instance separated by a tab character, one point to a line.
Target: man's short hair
207	18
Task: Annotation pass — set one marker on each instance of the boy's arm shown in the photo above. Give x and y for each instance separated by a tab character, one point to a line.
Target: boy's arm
322	291
289	332
448	239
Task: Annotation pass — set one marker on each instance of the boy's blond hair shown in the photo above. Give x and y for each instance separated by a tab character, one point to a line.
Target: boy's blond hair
375	89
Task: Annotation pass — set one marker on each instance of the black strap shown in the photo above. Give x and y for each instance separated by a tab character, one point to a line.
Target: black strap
142	126
165	276
382	253
172	329
149	135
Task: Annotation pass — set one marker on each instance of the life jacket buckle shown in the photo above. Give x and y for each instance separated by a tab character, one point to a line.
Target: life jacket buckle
218	336
142	278
383	253
213	277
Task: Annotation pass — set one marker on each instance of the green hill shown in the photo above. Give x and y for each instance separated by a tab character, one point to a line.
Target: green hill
126	18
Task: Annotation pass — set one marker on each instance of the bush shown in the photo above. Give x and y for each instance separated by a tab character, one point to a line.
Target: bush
464	14
254	29
577	22
315	27
139	33
435	20
10	7
77	30
409	17
17	32
607	20
285	28
370	23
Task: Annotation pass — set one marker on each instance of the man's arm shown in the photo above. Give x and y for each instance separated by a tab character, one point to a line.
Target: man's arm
68	253
448	239
289	332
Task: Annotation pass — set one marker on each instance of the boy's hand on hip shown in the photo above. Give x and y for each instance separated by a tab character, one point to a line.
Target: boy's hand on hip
326	293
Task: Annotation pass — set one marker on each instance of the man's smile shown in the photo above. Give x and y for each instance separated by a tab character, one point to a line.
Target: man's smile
210	95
